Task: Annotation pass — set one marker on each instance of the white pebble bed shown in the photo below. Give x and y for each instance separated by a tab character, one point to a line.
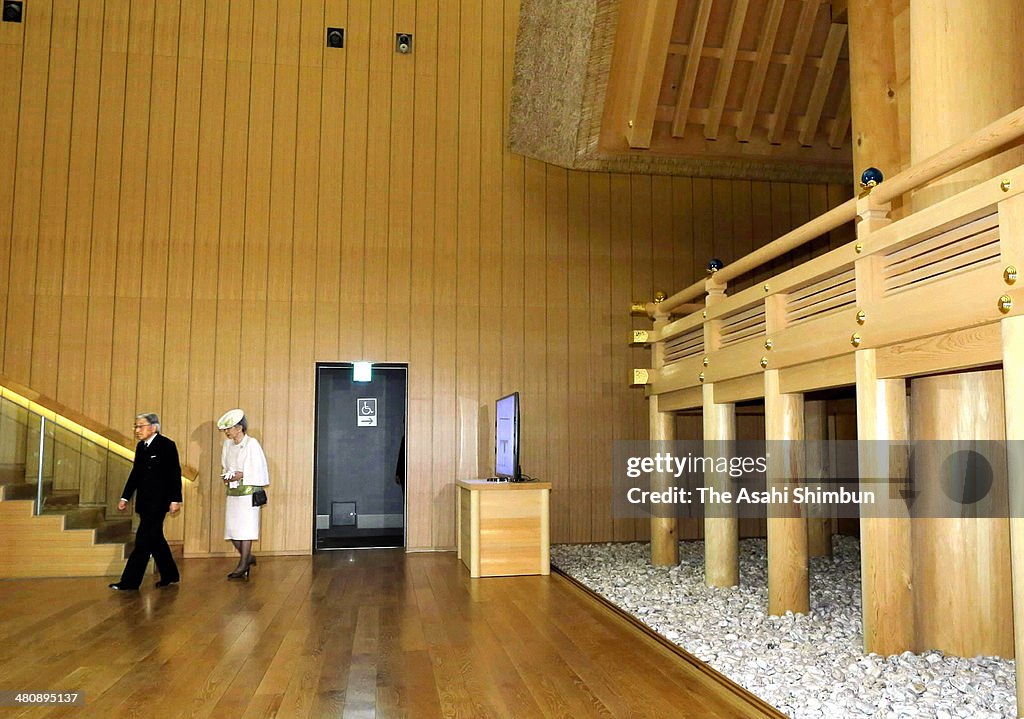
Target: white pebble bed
809	666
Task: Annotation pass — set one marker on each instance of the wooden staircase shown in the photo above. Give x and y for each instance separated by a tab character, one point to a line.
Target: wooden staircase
66	540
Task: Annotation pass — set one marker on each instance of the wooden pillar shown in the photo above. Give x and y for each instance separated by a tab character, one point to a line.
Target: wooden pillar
788	584
819	525
1011	246
875	89
966	71
721	526
1013	389
664	529
961	565
885	527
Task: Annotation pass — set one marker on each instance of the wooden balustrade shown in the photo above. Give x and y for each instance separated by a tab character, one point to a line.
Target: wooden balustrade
936	291
951	249
995	136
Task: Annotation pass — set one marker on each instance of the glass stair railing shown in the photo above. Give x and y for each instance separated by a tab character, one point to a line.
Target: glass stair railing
63	468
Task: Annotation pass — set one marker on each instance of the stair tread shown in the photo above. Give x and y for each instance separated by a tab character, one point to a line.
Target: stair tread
24	490
112	531
78	517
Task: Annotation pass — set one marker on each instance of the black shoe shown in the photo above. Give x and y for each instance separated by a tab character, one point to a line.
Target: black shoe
121	587
244	574
169	583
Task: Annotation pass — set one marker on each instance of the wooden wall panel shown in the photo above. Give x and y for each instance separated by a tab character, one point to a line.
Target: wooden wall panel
374	281
102	271
28	163
420	430
53	209
328	251
192	440
12	37
612	228
131	202
577	389
556	355
215	202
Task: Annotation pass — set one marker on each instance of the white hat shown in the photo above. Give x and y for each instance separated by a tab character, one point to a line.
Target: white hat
230	418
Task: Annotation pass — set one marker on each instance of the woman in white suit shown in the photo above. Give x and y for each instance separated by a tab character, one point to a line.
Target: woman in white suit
245	471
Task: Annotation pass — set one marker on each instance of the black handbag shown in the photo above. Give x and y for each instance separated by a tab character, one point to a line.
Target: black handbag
259	498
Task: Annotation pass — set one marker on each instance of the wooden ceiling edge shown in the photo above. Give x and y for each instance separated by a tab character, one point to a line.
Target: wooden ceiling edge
587	155
546	108
712	168
595	83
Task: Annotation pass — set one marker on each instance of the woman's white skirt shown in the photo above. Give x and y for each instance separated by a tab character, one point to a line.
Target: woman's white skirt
241	519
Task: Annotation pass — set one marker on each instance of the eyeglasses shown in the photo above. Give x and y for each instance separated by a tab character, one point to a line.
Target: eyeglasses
140	426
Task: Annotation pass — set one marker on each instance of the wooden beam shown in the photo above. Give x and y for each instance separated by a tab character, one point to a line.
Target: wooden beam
839	10
689	79
829	58
751	56
757	75
837	134
801	39
653	36
725	67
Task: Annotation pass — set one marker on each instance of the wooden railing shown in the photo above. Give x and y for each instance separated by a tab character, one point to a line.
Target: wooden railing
993	137
927	291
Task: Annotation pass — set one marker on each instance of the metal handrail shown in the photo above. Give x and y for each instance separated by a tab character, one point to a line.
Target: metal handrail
42	460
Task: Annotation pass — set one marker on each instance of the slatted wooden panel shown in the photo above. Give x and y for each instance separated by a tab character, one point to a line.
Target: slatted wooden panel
229	202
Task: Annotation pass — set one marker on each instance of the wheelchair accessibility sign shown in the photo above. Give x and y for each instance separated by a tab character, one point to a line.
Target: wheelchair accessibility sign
366	412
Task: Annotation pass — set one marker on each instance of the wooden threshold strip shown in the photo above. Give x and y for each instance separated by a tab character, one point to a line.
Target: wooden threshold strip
727	685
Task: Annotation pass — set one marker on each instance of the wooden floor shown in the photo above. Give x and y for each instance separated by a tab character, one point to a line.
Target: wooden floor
371	633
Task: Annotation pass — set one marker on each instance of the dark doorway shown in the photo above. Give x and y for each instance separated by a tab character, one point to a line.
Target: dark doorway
359	473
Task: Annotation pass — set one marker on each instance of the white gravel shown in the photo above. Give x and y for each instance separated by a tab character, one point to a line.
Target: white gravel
809	666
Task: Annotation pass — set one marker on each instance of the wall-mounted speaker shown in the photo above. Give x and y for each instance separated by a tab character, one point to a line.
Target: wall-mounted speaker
335	37
12	11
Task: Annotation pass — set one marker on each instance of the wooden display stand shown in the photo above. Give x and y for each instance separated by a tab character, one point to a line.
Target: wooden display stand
503	527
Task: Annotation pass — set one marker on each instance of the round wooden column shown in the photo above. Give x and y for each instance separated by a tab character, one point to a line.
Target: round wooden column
721	529
664	530
1013	389
819	528
874	90
966	70
885	526
961	576
788	579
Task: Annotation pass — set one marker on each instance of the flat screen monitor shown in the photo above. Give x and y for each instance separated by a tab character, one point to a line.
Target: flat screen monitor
506	437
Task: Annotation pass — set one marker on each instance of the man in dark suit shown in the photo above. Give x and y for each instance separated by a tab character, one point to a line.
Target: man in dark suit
156	477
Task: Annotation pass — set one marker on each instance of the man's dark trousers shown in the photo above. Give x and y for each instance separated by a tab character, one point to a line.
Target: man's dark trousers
149	540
